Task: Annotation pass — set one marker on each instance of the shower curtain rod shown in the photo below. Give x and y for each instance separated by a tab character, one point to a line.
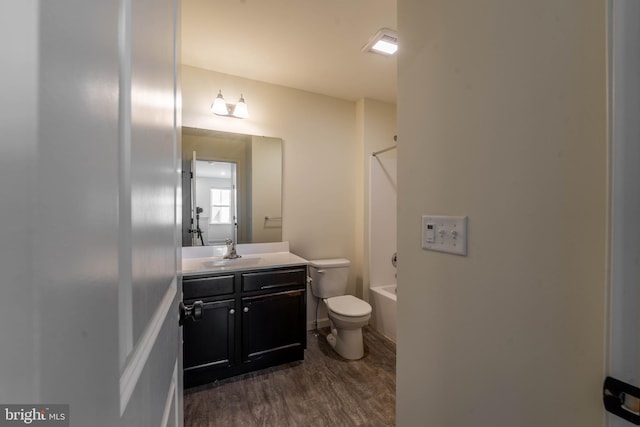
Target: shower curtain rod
375	153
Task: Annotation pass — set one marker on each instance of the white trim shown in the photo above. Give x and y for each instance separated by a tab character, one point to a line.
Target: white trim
125	274
172	397
608	297
138	360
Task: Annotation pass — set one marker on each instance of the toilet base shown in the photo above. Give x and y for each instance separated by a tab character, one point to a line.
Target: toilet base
347	343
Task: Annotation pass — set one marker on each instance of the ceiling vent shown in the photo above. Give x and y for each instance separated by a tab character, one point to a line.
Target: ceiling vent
384	42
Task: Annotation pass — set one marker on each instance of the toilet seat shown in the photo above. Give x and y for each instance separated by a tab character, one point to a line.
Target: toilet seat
348	305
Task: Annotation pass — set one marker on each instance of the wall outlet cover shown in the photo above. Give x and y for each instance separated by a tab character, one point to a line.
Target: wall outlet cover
445	234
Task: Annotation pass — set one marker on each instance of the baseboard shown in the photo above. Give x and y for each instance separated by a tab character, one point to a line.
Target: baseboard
322	323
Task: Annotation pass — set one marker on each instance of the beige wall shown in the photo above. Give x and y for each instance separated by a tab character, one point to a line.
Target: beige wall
502	117
266	189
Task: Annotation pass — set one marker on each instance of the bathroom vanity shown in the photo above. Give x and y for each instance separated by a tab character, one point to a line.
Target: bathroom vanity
252	311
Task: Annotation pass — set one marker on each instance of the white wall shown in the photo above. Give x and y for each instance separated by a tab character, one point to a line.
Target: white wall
502	117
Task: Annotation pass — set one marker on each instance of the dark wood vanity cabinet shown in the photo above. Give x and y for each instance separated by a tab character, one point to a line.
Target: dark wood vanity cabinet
250	320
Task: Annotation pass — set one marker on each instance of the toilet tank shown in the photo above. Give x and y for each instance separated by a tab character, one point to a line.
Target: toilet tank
329	277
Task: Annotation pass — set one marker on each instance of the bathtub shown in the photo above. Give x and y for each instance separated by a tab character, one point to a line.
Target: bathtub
383	303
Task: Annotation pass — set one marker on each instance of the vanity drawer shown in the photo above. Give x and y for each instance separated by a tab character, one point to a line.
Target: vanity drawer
207	286
269	280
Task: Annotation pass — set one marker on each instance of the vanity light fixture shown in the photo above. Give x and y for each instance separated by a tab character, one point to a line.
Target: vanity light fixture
221	108
384	42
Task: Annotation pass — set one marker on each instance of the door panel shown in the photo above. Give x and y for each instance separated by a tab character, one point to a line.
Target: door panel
153	180
73	255
625	232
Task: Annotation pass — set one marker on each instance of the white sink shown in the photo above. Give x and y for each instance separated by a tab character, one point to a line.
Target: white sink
198	260
237	262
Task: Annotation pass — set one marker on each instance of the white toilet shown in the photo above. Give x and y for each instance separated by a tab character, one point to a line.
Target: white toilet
347	313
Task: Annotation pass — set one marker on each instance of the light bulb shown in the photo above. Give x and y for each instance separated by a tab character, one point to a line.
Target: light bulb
240	109
219	107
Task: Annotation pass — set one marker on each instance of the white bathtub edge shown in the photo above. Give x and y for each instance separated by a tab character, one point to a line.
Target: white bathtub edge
384	303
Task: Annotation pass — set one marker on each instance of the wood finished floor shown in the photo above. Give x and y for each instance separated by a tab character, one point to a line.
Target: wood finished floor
323	390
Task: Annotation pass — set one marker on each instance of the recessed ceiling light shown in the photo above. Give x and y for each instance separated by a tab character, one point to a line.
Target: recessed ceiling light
384	42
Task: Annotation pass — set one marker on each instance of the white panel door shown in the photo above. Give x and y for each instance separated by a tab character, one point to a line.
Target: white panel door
625	149
149	291
89	230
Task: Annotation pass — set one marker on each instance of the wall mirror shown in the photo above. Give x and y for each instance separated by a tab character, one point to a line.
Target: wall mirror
231	188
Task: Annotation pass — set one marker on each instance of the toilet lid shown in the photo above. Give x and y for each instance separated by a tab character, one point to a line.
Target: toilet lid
348	305
328	263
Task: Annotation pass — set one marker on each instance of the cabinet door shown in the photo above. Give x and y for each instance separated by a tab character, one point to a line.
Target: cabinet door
210	341
273	324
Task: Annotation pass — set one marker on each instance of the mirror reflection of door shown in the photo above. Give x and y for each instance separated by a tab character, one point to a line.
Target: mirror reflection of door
214	202
257	199
195	230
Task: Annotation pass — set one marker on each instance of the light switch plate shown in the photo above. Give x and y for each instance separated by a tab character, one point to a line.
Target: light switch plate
445	234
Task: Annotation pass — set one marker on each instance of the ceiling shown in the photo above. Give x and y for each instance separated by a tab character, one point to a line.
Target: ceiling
312	45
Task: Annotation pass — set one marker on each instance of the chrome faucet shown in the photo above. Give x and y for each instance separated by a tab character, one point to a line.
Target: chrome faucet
231	250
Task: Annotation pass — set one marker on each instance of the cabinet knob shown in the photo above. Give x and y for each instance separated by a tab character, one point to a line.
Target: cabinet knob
246	309
232	311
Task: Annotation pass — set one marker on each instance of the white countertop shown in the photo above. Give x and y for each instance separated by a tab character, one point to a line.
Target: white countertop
198	260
